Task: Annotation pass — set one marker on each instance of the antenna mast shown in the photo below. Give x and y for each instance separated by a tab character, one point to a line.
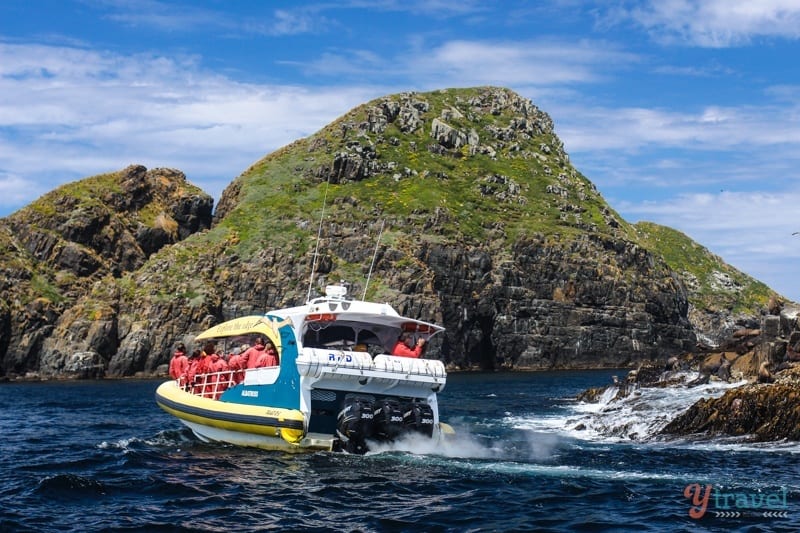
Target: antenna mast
374	255
316	248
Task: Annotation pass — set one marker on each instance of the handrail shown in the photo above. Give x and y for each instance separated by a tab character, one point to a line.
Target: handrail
212	384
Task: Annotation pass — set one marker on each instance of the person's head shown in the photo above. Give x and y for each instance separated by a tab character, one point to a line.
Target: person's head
180	348
195	354
407	338
209	348
258	341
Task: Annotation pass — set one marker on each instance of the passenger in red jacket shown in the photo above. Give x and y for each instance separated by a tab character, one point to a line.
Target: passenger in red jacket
193	370
179	363
269	357
237	365
405	346
220	378
217	364
185	379
250	357
199	373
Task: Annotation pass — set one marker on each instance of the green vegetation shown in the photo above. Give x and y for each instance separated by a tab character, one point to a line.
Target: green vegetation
41	287
86	193
282	195
700	268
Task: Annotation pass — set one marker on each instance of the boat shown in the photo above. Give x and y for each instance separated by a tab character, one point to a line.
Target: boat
336	386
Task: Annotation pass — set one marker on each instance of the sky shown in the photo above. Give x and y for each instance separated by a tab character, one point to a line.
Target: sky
682	112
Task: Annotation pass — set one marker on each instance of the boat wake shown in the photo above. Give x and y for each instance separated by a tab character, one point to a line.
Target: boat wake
527	453
523	446
461	445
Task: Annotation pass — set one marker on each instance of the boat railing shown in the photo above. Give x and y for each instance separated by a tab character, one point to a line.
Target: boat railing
212	384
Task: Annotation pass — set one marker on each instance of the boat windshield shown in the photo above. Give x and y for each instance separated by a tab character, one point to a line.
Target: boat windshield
346	335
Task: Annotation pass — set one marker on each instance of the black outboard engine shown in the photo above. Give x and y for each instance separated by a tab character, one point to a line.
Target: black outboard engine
418	416
388	421
354	424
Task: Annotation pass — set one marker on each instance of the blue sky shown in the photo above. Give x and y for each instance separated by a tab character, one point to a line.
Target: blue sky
682	112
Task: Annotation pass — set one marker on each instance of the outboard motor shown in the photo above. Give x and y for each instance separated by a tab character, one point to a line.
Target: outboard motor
354	424
388	421
418	416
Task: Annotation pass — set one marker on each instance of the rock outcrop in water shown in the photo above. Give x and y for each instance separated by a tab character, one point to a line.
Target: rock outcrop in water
766	407
488	230
758	412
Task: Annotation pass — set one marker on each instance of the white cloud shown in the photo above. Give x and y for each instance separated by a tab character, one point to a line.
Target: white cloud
85	112
540	63
258	19
711	127
291	23
164	16
709	213
717	23
15	190
535	63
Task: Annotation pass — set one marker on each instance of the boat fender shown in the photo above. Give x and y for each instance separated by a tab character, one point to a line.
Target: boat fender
354	424
418	416
388	420
292	436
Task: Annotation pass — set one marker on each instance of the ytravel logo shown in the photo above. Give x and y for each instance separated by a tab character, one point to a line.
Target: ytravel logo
705	498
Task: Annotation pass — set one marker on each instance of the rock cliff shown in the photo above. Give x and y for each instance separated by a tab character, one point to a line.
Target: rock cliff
487	229
64	254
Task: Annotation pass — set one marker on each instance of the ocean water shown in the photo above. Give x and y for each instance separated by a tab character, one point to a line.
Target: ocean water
101	456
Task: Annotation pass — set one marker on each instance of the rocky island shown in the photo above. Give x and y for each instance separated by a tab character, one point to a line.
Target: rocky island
489	230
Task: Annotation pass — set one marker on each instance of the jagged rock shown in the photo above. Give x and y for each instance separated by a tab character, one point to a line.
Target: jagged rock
503	188
448	136
84	365
758	412
409	117
350	166
132	354
591	395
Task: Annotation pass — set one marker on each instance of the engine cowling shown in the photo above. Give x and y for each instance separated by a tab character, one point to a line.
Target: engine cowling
354	424
418	417
388	422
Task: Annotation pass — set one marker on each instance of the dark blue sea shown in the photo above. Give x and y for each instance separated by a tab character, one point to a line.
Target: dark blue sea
101	456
